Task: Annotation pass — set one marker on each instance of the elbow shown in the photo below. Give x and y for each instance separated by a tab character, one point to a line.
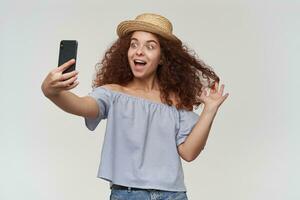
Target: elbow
188	158
187	154
192	157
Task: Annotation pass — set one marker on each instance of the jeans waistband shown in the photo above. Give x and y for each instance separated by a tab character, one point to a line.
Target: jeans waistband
121	187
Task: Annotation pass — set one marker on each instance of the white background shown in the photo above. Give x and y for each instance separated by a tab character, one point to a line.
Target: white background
253	148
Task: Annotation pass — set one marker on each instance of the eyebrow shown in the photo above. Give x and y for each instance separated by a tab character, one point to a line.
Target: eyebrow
146	41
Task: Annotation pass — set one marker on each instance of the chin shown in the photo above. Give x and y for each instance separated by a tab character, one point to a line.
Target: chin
137	72
138	75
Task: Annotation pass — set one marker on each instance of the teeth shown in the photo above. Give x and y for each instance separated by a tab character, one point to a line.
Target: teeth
140	61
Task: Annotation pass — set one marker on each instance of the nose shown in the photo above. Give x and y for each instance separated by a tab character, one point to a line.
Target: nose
139	50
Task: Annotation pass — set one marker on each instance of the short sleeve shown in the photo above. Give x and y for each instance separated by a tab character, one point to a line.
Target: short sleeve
103	99
187	121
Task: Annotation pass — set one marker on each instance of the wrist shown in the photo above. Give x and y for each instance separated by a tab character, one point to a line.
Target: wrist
50	93
209	109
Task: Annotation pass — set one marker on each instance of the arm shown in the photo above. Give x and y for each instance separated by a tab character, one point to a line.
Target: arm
82	106
56	86
195	142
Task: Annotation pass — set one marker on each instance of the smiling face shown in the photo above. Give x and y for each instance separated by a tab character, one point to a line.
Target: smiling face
144	54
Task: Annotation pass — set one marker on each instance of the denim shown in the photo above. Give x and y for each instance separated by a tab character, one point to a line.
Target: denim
146	194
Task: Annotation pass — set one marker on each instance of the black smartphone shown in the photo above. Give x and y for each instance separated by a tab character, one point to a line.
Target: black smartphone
67	51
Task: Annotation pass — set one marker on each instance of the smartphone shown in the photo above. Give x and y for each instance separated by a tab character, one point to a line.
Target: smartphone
67	51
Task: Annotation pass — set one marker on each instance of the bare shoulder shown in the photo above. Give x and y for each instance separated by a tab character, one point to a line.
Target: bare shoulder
154	96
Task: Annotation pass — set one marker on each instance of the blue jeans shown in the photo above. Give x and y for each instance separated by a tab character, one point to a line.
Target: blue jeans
146	194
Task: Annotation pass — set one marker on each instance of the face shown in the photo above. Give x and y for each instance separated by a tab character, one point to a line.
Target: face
144	54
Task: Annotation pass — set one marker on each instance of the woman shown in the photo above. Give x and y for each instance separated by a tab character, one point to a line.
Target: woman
146	87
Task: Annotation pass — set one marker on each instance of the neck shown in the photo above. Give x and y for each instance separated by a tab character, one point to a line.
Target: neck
146	85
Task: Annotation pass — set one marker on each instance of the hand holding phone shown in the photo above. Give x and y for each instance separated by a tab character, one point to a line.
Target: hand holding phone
56	81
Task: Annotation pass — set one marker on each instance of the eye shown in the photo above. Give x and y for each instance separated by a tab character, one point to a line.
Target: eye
133	45
150	46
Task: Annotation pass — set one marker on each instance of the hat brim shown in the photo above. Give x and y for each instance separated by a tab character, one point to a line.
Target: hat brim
128	26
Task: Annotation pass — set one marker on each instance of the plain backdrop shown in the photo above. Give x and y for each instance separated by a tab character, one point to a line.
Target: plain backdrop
253	148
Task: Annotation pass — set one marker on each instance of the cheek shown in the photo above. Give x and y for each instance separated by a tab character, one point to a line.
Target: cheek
129	53
155	58
129	56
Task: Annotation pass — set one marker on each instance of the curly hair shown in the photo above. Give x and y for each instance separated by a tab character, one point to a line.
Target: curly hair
181	72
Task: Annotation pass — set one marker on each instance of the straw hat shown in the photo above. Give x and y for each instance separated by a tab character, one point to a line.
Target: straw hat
149	22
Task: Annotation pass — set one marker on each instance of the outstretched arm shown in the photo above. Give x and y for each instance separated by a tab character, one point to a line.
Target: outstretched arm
56	87
195	142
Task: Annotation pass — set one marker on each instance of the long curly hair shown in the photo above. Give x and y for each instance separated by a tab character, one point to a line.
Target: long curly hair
181	72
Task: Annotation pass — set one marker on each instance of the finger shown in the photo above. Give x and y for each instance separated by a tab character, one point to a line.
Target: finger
66	83
222	89
224	97
75	83
68	75
66	65
216	86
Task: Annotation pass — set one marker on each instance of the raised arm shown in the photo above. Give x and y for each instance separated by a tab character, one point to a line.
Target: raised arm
195	142
56	87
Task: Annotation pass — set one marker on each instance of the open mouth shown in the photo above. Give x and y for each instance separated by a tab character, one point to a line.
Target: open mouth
139	63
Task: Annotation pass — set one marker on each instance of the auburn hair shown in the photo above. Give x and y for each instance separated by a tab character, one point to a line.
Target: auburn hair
180	73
